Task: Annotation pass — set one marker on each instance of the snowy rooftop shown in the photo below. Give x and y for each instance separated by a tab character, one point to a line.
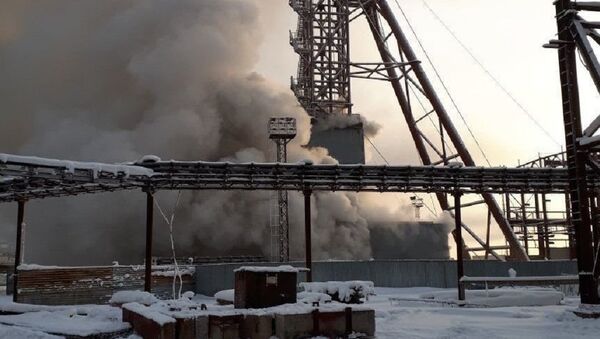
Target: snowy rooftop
268	269
71	166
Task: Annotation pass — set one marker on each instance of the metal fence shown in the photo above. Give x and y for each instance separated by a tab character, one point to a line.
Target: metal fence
389	273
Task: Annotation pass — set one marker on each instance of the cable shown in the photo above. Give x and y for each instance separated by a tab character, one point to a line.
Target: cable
443	84
388	163
448	146
489	74
445	143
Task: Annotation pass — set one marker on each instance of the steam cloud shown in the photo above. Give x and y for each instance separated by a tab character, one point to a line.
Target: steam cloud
114	80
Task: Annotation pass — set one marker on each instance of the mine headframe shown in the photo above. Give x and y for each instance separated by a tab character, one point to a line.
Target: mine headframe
322	86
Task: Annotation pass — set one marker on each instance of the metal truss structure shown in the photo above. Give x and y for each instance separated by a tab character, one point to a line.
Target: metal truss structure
281	131
25	181
322	85
576	35
544	228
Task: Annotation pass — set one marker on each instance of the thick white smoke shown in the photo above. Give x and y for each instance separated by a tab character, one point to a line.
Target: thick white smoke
117	79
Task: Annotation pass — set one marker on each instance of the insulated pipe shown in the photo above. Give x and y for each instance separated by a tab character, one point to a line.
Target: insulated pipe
404	47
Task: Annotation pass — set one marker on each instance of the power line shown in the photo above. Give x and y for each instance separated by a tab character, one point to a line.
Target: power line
489	74
443	84
388	163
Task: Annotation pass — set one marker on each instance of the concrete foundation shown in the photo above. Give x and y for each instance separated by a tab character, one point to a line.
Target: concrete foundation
251	326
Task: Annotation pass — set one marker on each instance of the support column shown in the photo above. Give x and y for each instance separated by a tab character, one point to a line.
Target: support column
149	226
524	223
576	156
539	228
460	272
18	246
546	230
487	234
595	229
307	235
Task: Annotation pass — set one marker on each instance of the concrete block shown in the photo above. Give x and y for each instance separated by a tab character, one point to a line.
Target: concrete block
290	326
256	327
192	328
185	328
364	322
202	328
329	324
148	328
224	327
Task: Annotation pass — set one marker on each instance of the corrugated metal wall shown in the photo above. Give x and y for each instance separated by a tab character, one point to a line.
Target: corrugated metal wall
389	273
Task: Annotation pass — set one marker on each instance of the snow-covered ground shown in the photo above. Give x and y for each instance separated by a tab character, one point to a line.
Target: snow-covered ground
394	319
38	320
416	320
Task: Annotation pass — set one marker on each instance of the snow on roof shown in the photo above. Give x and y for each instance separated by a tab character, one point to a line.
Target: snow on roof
141	297
71	166
148	158
226	295
149	313
189	309
268	269
34	267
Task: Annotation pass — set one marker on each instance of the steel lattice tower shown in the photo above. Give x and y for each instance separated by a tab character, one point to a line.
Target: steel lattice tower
281	131
322	84
322	87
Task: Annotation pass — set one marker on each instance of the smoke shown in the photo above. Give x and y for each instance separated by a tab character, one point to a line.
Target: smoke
112	81
370	128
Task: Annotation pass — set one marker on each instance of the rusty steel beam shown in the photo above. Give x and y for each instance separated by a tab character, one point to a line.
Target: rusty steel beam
149	230
18	246
569	31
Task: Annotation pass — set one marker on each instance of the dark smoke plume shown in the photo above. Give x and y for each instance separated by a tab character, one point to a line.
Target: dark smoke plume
114	80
